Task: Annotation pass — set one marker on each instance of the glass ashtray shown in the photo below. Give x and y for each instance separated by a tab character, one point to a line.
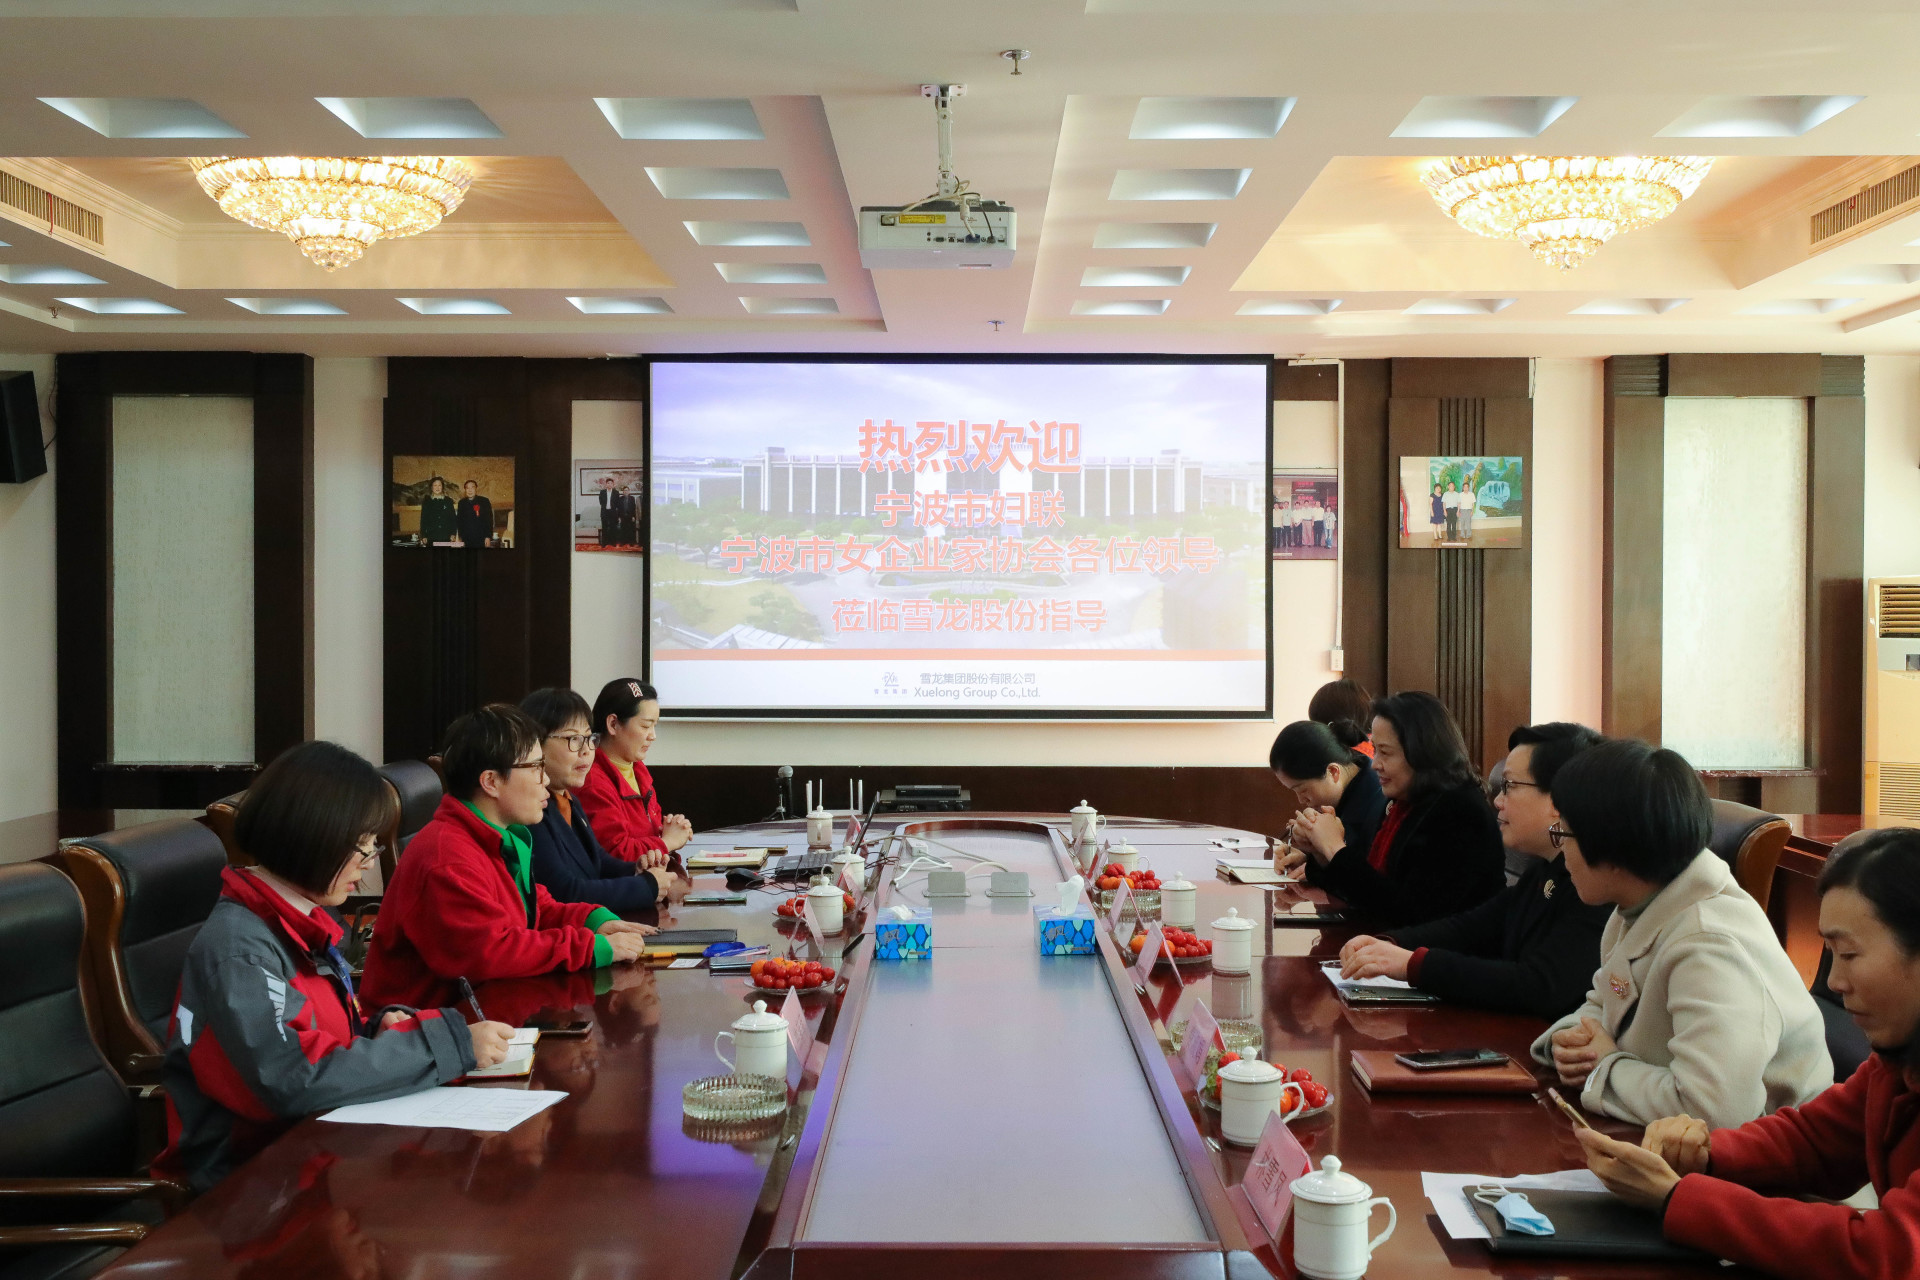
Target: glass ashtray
1145	904
734	1099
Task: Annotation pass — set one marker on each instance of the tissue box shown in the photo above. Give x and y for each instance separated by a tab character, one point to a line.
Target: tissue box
911	939
1068	933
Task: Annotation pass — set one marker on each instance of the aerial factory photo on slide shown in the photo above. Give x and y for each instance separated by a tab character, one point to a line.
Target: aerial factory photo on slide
971	538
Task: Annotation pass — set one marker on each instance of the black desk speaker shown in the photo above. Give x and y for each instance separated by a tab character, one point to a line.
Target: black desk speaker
22	456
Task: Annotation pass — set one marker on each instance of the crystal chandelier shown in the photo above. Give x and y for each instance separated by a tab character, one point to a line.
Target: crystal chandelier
334	207
1562	207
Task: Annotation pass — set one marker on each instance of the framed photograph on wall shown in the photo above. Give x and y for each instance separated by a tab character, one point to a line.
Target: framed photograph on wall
1454	502
464	503
1306	514
609	499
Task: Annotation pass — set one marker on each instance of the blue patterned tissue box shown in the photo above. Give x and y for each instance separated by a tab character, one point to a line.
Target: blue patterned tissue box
1065	933
910	939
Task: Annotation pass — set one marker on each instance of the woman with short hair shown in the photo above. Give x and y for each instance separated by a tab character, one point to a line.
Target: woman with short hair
266	1028
1747	1194
1437	850
1695	1007
618	792
567	856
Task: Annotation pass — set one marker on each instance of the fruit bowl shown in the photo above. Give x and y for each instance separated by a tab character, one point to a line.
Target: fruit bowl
1178	947
804	976
1145	904
1210	1087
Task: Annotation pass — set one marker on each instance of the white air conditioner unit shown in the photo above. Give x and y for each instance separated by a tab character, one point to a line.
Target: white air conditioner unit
1890	773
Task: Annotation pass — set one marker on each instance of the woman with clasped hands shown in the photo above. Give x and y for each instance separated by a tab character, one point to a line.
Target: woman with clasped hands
1735	1192
1695	1008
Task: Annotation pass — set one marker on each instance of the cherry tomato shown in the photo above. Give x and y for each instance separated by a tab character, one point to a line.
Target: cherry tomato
1316	1094
1300	1075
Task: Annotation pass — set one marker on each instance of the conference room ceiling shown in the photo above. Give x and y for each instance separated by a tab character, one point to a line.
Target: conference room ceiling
1322	241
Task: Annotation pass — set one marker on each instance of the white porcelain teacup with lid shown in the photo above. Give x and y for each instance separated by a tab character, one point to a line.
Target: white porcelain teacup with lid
1331	1209
759	1044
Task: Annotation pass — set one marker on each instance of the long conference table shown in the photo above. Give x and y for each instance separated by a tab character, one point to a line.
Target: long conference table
986	1111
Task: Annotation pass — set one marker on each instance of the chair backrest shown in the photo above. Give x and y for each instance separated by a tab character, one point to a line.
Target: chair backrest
1847	1044
417	786
147	890
219	819
63	1112
1749	841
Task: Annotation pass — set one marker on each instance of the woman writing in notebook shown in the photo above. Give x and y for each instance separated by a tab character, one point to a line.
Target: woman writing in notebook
618	792
1737	1193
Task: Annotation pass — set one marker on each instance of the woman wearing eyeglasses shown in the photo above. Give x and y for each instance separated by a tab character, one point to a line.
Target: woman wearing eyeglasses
266	1027
1695	1009
567	858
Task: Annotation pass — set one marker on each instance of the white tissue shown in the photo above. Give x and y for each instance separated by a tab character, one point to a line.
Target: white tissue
1070	894
901	913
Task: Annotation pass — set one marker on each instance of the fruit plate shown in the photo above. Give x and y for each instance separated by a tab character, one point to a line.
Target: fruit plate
1185	960
757	992
1307	1113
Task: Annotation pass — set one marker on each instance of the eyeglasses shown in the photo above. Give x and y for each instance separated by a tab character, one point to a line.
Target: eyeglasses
578	743
1559	835
539	764
368	854
1507	784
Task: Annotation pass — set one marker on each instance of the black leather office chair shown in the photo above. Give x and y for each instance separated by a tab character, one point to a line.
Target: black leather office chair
69	1198
1749	840
219	820
418	787
147	890
1846	1043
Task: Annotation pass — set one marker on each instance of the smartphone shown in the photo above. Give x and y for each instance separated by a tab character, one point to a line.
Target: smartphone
1444	1059
715	899
562	1030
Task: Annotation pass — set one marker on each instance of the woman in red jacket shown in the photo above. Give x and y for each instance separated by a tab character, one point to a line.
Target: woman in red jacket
1734	1192
618	794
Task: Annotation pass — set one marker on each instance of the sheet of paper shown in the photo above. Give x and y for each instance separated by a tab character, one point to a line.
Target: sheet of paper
1243	862
686	962
1332	969
1447	1192
1277	1161
486	1110
526	1035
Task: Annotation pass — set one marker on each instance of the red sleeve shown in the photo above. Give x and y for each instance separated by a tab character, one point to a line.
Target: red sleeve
1819	1148
617	821
549	914
460	931
1816	1241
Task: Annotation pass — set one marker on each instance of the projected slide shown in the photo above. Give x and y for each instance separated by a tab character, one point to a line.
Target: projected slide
960	538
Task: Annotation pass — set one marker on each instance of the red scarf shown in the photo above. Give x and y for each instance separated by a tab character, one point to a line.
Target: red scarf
1383	838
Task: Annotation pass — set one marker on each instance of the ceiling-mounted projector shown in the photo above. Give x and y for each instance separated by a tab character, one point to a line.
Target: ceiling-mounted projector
952	228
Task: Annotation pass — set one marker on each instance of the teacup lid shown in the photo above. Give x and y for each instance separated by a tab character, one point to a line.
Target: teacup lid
1330	1185
820	811
759	1019
1250	1071
821	889
1083	807
1122	847
1179	884
1233	920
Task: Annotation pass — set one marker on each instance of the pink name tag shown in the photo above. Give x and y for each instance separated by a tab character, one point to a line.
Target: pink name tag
1149	954
813	926
849	884
1121	896
1277	1161
799	1034
1203	1032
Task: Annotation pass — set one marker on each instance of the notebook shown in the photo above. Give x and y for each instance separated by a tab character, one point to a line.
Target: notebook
726	859
1376	1070
1587	1224
518	1062
688	942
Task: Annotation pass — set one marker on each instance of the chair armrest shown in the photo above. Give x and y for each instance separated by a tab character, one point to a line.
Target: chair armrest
76	1233
172	1194
142	1068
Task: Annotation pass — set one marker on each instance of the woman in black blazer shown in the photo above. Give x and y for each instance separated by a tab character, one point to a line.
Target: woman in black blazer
567	859
1323	767
1438	849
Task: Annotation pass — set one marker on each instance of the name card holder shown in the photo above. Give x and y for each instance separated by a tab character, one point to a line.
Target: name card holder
1203	1032
1149	956
1277	1161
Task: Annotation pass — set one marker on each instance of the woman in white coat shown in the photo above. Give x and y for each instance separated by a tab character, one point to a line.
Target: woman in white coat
1695	1008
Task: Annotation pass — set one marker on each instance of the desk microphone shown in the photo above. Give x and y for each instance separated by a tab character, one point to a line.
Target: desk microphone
783	787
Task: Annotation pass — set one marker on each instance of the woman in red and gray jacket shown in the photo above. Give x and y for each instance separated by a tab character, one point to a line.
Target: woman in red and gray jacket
1736	1192
618	794
266	1028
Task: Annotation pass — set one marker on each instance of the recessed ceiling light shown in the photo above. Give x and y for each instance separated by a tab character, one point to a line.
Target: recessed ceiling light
622	306
1628	306
455	306
733	235
412	117
44	273
1123	307
1178	184
288	306
1153	235
1874	275
1776	117
1443	117
1289	307
145	117
1796	306
719	184
682	119
771	272
1196	118
1134	276
122	306
790	306
1459	306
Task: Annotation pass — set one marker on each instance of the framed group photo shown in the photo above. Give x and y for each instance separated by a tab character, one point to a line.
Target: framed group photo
609	497
464	503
